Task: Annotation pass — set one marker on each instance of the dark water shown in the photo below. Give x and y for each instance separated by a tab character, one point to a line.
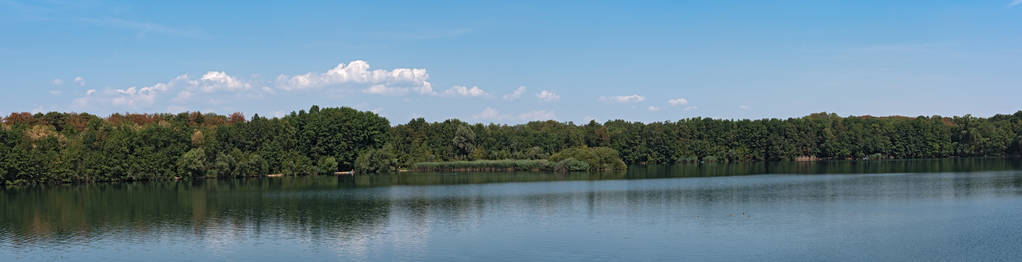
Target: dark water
920	210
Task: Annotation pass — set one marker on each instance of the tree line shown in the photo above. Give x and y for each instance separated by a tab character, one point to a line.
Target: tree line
77	147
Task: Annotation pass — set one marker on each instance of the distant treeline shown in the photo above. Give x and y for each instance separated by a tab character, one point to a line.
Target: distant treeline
71	147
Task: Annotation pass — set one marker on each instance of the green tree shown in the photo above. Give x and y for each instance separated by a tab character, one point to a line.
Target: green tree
193	163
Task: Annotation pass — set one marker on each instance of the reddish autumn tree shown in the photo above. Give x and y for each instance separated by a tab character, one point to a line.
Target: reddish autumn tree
20	118
236	117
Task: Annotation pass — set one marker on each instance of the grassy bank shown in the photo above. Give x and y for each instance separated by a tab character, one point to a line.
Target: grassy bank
568	160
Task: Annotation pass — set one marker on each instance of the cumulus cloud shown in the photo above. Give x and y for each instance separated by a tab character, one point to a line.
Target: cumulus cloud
677	101
623	99
515	94
214	81
184	86
358	73
548	96
464	91
219	89
385	90
653	108
58	82
134	96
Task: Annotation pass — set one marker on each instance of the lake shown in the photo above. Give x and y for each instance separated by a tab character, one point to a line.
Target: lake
905	210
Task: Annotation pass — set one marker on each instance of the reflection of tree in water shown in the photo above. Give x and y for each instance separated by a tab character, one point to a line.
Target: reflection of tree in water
351	211
305	207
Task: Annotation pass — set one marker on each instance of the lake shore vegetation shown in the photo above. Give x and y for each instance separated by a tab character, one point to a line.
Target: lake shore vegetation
57	147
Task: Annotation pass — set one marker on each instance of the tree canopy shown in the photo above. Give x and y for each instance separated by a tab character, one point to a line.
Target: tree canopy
78	147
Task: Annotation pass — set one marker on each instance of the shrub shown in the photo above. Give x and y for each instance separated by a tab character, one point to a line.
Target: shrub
571	165
192	163
293	164
326	165
252	165
598	158
375	161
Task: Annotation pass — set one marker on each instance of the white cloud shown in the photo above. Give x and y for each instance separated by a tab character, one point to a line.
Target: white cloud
1014	3
132	96
538	115
548	96
183	95
215	81
464	91
490	114
58	82
515	94
653	108
384	90
677	101
743	107
623	99
358	73
219	90
55	92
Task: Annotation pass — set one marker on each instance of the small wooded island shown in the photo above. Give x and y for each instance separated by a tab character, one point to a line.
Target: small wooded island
81	148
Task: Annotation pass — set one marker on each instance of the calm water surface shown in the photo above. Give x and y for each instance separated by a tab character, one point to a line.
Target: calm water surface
919	210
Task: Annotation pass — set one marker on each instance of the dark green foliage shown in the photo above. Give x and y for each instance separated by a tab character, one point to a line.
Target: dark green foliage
572	165
464	140
192	163
596	158
327	165
82	148
295	164
376	161
252	165
484	165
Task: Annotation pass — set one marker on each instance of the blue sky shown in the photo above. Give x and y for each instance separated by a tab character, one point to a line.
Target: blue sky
515	61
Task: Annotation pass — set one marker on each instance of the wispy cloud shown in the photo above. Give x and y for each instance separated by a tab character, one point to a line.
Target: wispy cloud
548	96
492	114
538	115
489	114
144	28
430	34
623	99
678	101
1015	2
514	95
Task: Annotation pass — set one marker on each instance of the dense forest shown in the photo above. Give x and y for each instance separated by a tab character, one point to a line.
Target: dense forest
77	147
